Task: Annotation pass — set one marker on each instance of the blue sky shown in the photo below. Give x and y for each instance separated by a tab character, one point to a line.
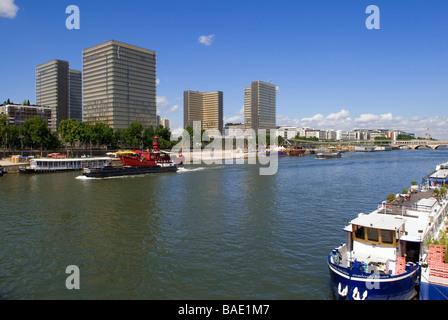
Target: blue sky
331	71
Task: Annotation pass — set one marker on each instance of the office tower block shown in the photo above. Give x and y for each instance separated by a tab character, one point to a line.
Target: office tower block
206	107
260	106
75	95
119	85
52	89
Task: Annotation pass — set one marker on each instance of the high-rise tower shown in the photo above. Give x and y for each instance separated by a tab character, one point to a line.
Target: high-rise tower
119	85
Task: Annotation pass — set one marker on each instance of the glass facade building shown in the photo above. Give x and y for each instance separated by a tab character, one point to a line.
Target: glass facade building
206	107
260	106
119	85
75	95
52	89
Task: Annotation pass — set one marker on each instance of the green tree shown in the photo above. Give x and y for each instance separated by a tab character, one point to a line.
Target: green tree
164	136
134	134
4	123
103	134
53	142
189	129
13	134
148	137
118	139
36	132
86	134
70	132
163	133
405	137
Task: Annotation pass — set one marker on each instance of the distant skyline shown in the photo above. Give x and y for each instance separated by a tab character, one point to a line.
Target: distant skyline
331	71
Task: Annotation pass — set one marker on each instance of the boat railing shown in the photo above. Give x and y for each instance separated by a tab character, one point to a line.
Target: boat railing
48	165
402	209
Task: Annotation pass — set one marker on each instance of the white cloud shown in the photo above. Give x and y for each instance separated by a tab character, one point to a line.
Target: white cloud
339	115
8	9
164	106
366	117
316	118
162	102
173	109
177	132
207	40
234	119
237	117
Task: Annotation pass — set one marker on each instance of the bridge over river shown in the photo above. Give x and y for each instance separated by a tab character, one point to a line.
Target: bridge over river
415	144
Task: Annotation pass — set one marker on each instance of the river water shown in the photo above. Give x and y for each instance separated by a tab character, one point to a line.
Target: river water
206	232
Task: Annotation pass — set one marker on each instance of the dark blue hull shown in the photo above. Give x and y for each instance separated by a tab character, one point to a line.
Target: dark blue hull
349	284
432	291
108	172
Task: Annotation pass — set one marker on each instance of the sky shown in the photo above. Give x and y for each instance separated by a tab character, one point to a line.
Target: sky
331	71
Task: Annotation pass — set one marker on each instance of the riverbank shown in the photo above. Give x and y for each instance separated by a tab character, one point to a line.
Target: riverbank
11	167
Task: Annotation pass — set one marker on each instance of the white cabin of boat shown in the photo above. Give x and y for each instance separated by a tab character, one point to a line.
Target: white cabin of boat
393	234
48	164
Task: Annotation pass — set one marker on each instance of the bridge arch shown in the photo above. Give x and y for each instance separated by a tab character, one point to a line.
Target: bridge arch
415	147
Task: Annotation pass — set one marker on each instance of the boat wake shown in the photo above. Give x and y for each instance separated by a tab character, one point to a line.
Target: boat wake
84	178
183	169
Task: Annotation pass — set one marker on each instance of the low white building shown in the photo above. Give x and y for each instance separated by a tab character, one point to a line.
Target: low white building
343	135
319	134
288	132
330	134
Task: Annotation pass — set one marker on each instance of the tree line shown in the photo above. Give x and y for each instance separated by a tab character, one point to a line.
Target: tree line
35	134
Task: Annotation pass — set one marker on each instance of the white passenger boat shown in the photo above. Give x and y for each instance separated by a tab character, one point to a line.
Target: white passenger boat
365	149
385	249
383	148
44	165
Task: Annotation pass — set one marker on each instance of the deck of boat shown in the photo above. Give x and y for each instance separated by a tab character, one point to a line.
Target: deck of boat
400	206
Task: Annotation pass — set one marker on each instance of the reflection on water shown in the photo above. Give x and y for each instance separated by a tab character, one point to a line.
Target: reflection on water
207	232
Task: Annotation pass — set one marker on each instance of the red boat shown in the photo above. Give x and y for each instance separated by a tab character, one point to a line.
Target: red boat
137	163
295	151
156	157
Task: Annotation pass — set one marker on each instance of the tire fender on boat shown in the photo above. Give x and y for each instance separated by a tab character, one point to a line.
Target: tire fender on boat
342	293
356	294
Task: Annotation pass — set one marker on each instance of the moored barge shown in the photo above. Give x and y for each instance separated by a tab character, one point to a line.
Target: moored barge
386	249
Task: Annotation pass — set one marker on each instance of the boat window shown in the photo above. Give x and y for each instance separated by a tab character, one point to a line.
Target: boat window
359	232
387	236
372	234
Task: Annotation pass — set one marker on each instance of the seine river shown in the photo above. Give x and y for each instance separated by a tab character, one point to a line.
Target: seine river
206	232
